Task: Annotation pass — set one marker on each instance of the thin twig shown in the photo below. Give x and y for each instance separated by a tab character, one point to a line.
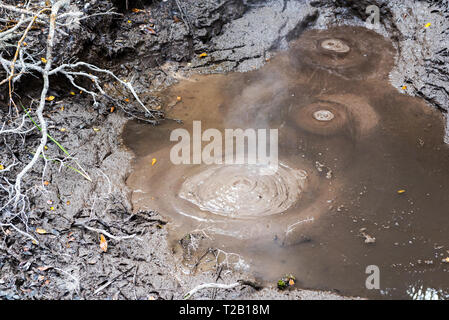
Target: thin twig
107	234
107	284
189	294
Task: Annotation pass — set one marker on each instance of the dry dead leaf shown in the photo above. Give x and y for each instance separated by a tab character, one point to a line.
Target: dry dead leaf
103	243
41	231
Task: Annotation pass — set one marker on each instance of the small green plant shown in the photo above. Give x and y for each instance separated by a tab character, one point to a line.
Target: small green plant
82	172
287	281
281	284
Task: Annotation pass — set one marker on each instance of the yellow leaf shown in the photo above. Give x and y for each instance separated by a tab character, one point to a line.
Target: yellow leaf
291	282
68	202
129	21
72	93
50	98
52	208
153	161
96	129
2	167
44	60
41	231
103	243
45	147
404	87
203	55
428	25
63	129
401	191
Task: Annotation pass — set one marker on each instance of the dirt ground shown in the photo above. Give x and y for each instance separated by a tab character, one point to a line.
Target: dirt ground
152	48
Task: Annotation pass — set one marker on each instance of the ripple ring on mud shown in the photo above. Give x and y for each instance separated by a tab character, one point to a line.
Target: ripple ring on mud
244	190
335	45
336	113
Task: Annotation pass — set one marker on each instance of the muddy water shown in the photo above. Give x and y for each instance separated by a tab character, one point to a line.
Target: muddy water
363	173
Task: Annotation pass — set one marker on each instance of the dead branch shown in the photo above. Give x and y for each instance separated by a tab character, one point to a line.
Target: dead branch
189	294
107	234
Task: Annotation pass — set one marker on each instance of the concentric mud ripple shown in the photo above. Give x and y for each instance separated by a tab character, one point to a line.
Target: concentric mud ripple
308	117
237	201
244	190
353	53
334	113
335	45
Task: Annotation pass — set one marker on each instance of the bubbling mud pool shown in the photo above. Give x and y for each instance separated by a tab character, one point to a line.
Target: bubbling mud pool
244	190
348	142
